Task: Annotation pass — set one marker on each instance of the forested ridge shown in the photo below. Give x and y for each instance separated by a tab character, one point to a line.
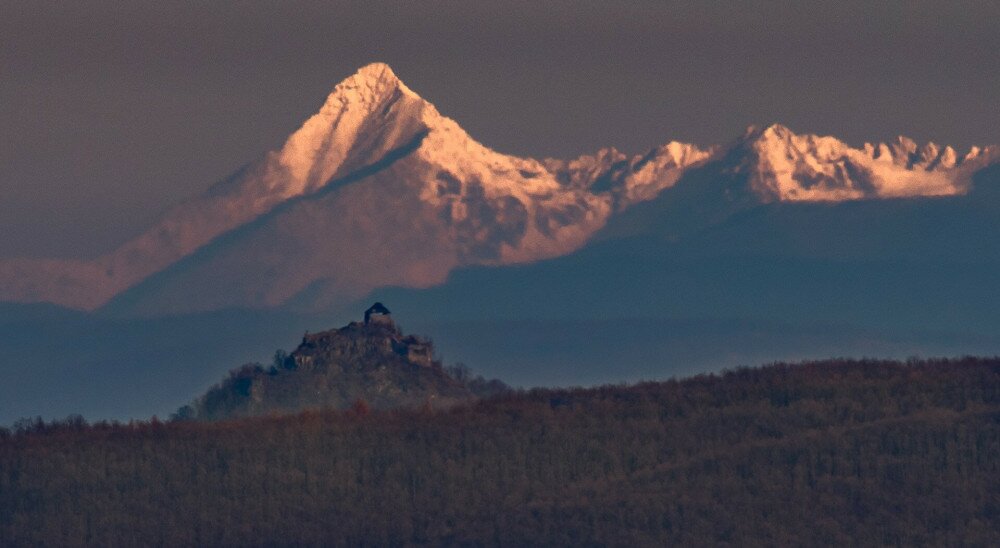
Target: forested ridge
836	452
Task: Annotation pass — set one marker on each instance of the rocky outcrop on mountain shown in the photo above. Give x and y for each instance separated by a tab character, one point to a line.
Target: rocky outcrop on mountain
369	364
379	189
783	166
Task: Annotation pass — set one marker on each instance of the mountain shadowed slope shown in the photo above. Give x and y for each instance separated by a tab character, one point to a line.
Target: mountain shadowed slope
903	264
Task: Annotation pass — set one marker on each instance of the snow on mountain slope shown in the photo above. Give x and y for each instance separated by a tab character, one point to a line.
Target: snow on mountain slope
378	188
364	117
493	208
784	166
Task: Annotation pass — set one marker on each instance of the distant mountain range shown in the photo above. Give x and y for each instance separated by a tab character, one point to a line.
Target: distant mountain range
380	190
604	268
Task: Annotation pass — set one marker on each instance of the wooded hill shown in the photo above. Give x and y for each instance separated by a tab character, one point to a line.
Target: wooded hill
836	452
371	364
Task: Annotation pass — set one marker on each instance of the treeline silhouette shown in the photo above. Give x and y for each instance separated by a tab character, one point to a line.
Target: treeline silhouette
836	452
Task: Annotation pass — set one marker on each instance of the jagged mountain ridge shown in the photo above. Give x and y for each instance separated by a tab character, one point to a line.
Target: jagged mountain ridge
379	189
783	166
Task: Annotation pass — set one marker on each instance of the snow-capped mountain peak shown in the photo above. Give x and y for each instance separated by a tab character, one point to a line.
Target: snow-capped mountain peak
367	115
378	188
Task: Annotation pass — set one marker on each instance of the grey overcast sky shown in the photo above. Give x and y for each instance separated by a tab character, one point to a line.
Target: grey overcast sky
112	111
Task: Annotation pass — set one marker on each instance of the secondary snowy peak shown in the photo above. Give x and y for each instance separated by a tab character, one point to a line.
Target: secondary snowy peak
783	166
630	179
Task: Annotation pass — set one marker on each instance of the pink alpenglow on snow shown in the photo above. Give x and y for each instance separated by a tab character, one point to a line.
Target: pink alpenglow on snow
379	189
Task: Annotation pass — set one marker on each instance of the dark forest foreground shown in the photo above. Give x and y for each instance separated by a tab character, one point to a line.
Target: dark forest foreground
829	453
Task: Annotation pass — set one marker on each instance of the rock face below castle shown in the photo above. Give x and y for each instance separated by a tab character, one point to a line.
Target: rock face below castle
373	362
375	340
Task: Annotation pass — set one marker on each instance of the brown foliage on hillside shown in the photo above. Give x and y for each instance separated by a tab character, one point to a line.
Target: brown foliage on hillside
838	452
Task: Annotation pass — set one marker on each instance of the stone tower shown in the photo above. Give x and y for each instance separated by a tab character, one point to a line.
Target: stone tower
378	314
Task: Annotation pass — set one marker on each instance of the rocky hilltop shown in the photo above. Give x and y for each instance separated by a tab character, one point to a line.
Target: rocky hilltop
369	364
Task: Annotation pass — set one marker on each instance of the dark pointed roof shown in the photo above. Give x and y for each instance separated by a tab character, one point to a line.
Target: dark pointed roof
378	309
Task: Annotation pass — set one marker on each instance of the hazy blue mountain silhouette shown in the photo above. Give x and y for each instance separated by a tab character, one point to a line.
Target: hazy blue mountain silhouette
687	282
56	362
891	264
